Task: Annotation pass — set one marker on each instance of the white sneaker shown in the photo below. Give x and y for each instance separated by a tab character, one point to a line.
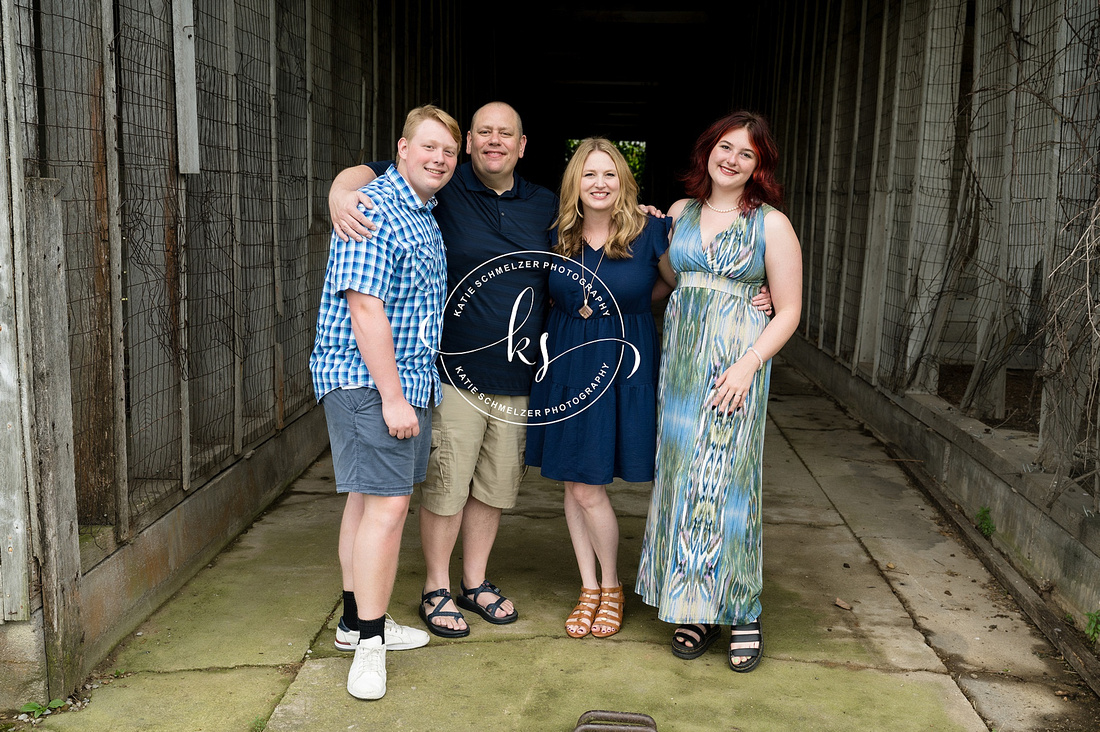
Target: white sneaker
346	640
367	677
402	637
398	637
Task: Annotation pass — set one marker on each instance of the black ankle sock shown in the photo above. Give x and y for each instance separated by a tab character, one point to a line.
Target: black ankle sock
351	611
372	629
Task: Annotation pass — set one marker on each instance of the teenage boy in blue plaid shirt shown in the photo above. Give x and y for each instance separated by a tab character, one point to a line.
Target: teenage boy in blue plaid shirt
373	367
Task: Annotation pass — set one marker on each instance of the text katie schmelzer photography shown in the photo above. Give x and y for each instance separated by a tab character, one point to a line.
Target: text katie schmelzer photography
494	273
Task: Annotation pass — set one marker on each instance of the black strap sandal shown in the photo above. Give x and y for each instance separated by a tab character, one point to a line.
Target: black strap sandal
468	601
437	610
700	636
747	633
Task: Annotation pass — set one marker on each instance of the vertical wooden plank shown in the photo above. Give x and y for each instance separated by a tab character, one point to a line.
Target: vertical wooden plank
278	362
123	524
806	141
887	213
394	133
985	396
54	460
874	264
187	114
1064	388
810	242
785	27
19	483
273	108
238	275
309	113
185	350
851	182
375	77
916	338
790	116
828	244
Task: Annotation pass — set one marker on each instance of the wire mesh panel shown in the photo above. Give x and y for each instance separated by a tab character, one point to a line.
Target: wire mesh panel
255	321
908	91
858	213
297	286
63	110
1033	179
1013	168
994	125
387	88
327	82
151	250
785	114
212	238
1069	426
28	72
837	199
813	251
799	192
964	234
219	277
933	188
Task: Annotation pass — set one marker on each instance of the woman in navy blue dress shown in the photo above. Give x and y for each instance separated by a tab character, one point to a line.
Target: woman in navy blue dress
593	405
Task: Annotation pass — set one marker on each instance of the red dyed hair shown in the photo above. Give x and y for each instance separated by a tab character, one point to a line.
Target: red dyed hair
762	187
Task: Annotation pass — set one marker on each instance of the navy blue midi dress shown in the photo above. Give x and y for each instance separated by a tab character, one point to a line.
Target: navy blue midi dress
593	411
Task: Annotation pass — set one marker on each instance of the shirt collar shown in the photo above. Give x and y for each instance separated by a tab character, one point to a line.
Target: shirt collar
405	192
473	183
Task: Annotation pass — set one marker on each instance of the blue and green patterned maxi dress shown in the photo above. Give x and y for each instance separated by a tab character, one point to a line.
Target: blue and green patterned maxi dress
701	556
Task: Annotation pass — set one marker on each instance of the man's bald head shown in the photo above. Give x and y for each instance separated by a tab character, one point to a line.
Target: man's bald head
498	107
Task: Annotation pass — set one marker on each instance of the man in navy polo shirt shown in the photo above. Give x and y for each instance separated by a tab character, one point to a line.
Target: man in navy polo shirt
476	461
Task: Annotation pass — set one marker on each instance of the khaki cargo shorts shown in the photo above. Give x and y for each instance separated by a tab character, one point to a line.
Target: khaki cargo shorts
473	454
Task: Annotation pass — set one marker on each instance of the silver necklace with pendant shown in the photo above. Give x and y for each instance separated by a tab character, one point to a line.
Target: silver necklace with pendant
584	311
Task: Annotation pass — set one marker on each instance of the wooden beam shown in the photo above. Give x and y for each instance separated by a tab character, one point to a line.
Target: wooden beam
810	242
187	114
52	449
872	290
15	489
851	183
120	436
237	275
830	169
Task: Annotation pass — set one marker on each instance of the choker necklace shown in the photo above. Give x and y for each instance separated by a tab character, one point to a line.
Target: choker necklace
719	210
584	311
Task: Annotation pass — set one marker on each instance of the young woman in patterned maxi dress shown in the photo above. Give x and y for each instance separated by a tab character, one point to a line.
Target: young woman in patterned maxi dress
701	560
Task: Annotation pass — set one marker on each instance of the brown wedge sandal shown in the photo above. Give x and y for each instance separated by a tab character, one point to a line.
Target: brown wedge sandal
583	613
611	611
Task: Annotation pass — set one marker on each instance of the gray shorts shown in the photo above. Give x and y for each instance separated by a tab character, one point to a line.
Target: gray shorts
365	457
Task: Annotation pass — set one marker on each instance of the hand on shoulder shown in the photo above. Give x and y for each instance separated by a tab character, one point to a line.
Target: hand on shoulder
677	208
346	202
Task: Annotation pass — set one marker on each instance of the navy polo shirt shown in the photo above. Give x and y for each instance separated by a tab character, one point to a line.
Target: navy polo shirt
483	286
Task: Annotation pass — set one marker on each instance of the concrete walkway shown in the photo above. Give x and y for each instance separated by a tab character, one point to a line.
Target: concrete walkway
930	642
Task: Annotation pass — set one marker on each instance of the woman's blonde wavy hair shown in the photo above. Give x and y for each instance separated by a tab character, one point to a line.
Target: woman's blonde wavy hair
627	222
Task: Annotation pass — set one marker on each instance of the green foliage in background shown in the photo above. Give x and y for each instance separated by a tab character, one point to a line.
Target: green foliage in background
632	150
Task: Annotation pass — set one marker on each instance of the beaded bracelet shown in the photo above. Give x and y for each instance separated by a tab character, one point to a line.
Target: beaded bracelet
758	357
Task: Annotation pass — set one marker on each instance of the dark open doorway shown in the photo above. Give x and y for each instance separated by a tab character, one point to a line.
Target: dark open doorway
627	71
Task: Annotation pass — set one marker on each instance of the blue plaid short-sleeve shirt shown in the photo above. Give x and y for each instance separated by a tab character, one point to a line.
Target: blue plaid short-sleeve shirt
403	265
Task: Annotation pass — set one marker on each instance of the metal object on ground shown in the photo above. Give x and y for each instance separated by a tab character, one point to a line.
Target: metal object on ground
602	721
